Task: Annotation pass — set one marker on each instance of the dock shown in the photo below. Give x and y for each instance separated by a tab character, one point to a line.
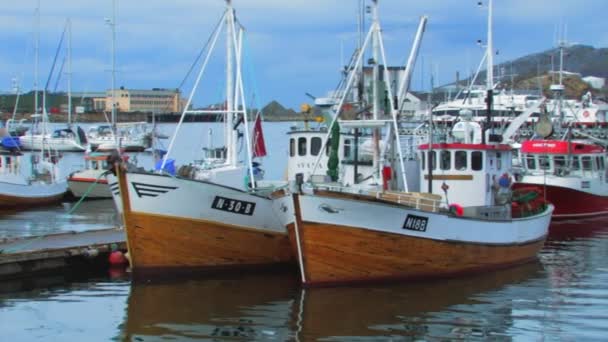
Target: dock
30	256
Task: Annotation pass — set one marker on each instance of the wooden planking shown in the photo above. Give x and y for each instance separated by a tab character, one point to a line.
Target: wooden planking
171	242
336	254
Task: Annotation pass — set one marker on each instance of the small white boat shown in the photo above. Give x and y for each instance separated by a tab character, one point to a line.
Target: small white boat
90	181
23	186
129	137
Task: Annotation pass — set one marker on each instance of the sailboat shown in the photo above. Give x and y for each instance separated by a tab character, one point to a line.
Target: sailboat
347	233
90	181
207	217
63	139
34	182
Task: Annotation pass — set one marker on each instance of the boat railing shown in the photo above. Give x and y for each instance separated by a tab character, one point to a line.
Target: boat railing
417	200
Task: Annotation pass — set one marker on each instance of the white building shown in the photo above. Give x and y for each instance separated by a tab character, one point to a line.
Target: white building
595	82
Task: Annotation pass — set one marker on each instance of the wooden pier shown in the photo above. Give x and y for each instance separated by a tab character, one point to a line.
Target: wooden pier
36	255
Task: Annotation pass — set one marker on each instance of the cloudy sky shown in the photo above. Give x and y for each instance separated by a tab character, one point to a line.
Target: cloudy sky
292	47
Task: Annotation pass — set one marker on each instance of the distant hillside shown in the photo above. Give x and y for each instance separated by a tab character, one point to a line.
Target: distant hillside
535	70
274	111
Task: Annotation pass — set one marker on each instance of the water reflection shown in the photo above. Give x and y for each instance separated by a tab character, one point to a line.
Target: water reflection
241	307
274	307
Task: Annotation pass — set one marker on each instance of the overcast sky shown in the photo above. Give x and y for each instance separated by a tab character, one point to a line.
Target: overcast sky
293	46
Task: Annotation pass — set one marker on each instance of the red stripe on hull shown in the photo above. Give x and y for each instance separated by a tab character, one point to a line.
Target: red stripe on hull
570	203
87	180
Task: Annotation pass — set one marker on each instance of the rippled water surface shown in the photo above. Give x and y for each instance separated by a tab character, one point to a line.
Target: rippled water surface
563	296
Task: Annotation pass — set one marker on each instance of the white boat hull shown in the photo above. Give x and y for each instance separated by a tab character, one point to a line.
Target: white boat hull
39	142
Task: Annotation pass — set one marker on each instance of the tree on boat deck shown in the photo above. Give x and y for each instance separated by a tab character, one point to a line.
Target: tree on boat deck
332	162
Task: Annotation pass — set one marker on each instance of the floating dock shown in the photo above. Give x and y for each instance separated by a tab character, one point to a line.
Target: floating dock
23	257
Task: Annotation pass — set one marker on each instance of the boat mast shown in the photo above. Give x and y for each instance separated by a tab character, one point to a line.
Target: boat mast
229	130
36	53
69	73
112	24
375	76
489	73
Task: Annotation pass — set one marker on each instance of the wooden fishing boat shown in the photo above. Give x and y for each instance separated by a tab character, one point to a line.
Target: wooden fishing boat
346	233
211	214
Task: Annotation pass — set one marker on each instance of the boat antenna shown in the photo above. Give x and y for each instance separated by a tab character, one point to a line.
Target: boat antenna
489	72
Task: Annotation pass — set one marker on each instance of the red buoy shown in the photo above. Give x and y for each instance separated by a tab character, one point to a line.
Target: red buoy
117	258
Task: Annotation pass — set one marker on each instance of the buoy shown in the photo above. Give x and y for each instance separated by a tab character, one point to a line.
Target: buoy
457	209
117	258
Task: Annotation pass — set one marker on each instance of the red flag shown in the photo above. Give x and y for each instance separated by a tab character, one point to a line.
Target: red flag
259	147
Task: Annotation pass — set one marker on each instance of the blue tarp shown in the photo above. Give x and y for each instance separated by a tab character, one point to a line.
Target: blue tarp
169	166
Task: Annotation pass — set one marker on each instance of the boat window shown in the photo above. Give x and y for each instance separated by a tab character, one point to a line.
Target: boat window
346	148
94	164
327	146
530	162
446	160
460	160
315	146
423	159
600	163
432	160
477	161
498	161
301	146
587	163
575	163
292	147
544	162
559	163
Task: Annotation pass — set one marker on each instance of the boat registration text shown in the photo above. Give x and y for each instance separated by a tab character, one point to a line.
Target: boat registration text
233	206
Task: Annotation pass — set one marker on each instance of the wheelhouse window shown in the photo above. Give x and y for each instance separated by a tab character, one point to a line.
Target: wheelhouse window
423	160
315	146
530	162
586	160
347	148
600	163
301	146
575	165
498	161
327	146
477	161
445	160
544	163
559	163
460	160
432	160
292	147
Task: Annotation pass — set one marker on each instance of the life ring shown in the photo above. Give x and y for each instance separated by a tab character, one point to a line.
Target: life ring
586	114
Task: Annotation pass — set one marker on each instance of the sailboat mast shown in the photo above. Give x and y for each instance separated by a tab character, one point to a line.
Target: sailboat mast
113	26
69	73
36	53
489	72
230	144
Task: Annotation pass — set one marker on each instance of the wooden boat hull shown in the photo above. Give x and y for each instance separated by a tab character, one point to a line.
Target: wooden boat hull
343	246
571	203
175	223
158	243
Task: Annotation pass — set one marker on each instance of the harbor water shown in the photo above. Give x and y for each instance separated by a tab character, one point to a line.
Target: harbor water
561	296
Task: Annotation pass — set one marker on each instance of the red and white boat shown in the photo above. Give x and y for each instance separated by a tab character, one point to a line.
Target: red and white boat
570	174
